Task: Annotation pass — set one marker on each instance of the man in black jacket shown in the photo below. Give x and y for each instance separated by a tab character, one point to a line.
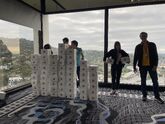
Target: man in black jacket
116	67
147	58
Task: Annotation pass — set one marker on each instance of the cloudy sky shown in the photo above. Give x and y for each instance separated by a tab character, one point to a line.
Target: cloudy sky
12	30
125	24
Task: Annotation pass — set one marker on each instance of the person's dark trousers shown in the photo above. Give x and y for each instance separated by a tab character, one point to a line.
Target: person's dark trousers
116	71
154	77
78	75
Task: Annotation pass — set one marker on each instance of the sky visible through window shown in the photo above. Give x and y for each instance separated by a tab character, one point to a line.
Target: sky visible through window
12	30
125	24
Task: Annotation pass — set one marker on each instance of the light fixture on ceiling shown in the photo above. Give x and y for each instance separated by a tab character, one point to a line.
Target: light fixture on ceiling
135	0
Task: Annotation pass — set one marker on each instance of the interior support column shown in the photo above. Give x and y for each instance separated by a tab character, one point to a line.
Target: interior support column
40	33
106	19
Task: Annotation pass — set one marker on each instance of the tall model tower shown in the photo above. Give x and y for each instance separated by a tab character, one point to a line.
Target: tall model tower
84	82
71	73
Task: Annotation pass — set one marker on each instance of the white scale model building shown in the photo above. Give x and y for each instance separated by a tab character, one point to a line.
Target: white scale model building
55	75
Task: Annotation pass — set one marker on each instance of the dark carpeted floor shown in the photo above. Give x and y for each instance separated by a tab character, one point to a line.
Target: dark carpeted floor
125	108
128	108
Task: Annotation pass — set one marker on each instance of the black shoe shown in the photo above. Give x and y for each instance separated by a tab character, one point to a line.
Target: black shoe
144	99
159	100
113	93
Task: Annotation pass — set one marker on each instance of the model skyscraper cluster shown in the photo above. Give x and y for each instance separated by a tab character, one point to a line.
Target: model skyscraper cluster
55	75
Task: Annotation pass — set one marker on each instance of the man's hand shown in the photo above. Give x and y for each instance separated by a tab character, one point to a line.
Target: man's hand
154	68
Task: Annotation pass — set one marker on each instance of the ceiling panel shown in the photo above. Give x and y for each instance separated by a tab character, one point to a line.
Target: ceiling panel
52	6
34	3
59	6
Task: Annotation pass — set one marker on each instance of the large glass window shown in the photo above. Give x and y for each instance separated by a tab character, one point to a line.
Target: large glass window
16	47
85	27
126	25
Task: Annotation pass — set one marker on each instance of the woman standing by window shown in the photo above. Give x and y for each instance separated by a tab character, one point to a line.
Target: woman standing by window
117	63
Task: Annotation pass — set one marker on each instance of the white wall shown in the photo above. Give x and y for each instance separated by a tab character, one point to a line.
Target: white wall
36	43
45	29
17	12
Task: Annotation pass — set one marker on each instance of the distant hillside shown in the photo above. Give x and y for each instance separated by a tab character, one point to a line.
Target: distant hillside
17	45
162	55
26	47
12	44
96	57
5	53
90	55
93	56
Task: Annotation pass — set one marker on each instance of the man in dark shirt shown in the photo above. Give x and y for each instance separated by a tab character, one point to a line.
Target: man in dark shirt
147	58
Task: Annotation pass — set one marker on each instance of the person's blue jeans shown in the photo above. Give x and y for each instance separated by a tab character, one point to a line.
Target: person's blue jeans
154	78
